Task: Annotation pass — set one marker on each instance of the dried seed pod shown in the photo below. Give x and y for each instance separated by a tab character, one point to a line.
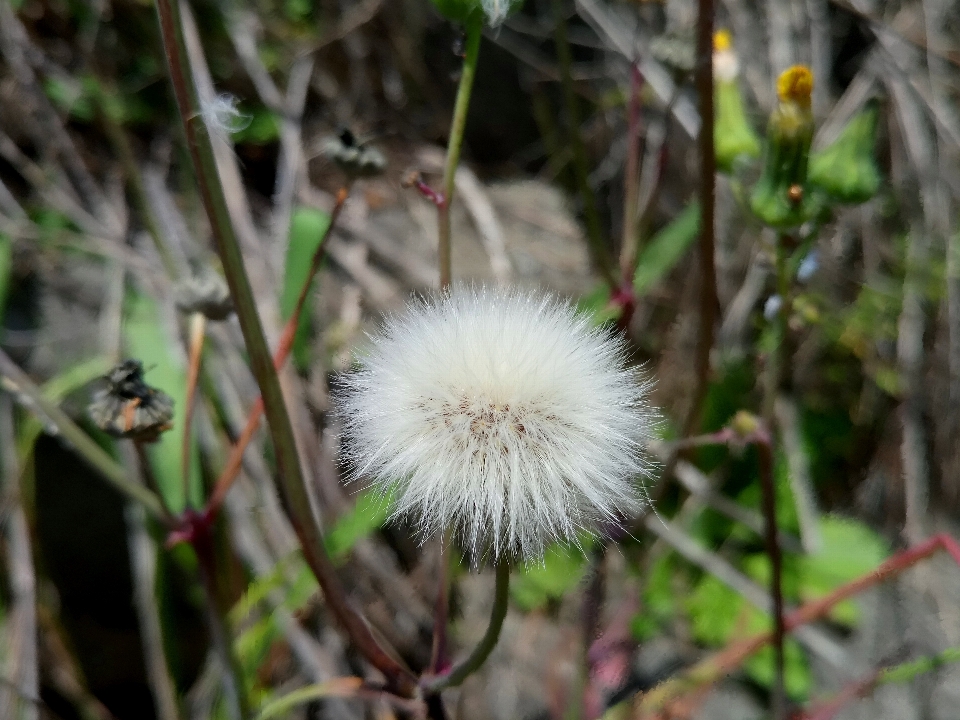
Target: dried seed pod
355	158
129	408
206	293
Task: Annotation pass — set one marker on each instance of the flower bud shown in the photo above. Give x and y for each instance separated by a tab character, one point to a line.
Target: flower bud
129	408
781	197
846	170
733	136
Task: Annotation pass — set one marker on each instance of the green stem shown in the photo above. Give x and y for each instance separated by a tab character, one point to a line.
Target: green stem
481	652
459	123
290	481
777	361
82	443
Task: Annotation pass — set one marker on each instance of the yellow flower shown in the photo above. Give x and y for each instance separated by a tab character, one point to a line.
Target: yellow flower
795	84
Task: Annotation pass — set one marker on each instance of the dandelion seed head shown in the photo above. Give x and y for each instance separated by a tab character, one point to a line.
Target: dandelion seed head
222	116
496	11
503	416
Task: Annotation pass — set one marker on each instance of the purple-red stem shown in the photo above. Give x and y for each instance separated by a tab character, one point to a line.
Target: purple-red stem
711	669
708	280
764	444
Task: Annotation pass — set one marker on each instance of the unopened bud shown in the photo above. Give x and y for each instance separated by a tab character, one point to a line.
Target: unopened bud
781	198
733	135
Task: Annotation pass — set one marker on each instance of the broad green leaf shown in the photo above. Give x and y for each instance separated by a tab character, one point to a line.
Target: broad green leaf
306	231
659	599
719	615
261	127
666	248
147	340
850	550
367	516
656	260
337	687
563	566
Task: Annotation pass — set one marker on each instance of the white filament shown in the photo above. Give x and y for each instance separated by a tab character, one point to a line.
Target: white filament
502	415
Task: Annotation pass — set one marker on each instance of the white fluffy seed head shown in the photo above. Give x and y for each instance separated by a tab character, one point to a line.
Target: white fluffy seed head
501	415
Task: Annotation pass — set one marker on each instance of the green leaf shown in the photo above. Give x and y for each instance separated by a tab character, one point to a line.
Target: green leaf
337	687
307	228
666	248
656	260
368	515
659	599
263	128
562	569
718	615
148	341
57	388
850	550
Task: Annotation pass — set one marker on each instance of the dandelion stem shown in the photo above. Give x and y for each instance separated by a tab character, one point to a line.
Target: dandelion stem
232	468
457	126
438	652
481	652
290	482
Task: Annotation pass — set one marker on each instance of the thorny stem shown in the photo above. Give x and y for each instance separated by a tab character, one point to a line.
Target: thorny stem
461	671
710	670
457	126
198	327
79	441
592	217
293	491
708	279
764	446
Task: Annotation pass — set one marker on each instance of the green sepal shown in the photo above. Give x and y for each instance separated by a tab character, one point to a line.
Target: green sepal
782	197
733	136
846	170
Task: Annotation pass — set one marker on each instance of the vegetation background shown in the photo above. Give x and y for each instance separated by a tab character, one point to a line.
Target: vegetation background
100	219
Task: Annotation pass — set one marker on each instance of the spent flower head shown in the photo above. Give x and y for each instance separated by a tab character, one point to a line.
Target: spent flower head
127	407
503	416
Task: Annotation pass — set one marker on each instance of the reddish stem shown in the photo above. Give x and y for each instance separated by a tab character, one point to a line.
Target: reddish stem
716	666
708	280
